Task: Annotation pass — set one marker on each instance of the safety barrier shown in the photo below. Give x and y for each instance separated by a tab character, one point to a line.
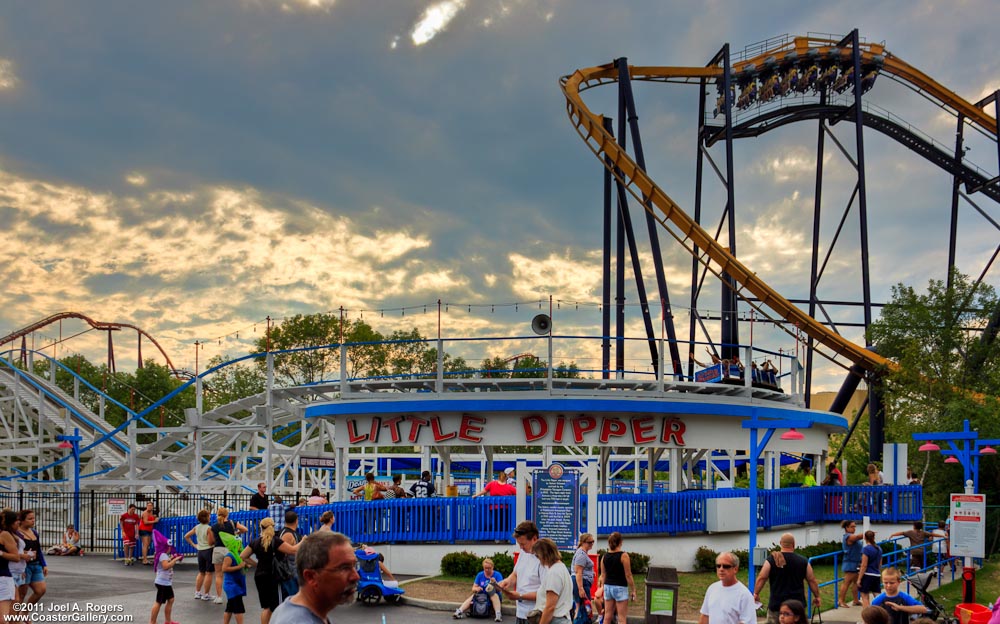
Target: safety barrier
487	519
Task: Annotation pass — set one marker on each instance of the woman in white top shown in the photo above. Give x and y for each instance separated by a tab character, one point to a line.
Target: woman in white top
557	585
206	540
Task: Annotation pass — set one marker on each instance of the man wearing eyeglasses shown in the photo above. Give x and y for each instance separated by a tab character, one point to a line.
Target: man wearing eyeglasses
523	583
727	601
328	576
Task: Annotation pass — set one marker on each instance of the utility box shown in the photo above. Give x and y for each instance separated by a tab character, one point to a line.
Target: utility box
724	515
661	595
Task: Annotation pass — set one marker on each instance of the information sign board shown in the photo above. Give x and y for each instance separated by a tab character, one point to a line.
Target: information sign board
556	504
317	462
116	507
968	525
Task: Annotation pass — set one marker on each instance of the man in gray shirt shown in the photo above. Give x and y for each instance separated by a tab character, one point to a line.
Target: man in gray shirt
328	576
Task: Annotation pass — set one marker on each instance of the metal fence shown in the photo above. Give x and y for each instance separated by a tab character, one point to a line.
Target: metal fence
466	519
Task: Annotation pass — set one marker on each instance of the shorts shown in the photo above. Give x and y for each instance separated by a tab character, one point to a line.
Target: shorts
219	555
164	593
144	533
19	578
870	584
235	605
34	573
6	588
618	593
205	560
267	591
850	567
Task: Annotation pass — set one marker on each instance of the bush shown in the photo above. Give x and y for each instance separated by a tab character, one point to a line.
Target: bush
463	564
638	562
704	559
502	563
466	564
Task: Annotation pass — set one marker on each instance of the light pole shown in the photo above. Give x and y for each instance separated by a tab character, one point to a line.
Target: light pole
73	442
757	447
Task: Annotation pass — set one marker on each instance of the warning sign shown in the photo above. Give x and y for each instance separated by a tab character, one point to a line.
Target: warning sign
968	525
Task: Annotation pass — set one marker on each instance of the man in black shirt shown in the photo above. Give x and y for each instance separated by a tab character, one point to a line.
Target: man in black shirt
259	500
785	570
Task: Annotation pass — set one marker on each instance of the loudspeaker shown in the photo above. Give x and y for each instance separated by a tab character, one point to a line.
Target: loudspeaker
541	324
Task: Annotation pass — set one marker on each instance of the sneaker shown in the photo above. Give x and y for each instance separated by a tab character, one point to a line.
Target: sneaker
218	600
458	615
498	618
206	597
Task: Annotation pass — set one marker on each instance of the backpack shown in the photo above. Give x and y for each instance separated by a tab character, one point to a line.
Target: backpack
481	607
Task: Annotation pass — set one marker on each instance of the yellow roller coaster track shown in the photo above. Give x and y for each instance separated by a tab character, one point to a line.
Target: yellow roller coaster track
605	147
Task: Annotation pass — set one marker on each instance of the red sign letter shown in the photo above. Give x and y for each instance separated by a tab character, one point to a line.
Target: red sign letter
611	427
439	436
415	425
673	428
535	428
470	426
642	430
582	425
392	424
352	432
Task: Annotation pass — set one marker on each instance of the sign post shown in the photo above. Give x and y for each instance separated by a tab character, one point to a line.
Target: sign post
968	535
556	504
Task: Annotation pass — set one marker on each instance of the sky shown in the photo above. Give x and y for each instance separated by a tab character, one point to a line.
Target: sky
193	168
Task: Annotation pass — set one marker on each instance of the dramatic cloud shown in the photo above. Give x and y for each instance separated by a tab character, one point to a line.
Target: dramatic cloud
435	20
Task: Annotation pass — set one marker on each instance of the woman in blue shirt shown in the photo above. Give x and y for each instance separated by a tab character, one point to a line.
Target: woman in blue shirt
485	582
852	544
871	569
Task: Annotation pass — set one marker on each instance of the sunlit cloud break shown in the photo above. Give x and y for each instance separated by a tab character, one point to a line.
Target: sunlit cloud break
7	77
435	19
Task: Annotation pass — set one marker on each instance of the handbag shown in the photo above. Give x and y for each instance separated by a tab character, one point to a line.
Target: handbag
534	616
281	566
817	617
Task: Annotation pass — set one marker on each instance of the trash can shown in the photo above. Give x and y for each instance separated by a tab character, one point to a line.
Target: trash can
451	491
661	595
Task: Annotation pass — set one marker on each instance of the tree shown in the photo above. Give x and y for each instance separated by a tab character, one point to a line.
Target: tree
232	382
947	372
369	353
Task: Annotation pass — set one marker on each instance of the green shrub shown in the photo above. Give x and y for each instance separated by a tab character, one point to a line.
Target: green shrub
704	559
502	563
638	562
464	564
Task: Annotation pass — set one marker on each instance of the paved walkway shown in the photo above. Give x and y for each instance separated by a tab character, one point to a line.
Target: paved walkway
96	583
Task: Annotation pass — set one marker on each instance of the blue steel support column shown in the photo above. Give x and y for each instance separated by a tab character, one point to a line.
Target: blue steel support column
756	448
625	85
606	282
640	285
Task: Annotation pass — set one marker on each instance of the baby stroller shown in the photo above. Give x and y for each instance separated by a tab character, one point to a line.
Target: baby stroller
935	610
371	588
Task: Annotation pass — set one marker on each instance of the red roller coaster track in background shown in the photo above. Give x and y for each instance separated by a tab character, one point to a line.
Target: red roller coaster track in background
98	325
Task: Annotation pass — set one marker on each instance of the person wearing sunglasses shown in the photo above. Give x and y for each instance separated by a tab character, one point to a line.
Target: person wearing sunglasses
728	601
